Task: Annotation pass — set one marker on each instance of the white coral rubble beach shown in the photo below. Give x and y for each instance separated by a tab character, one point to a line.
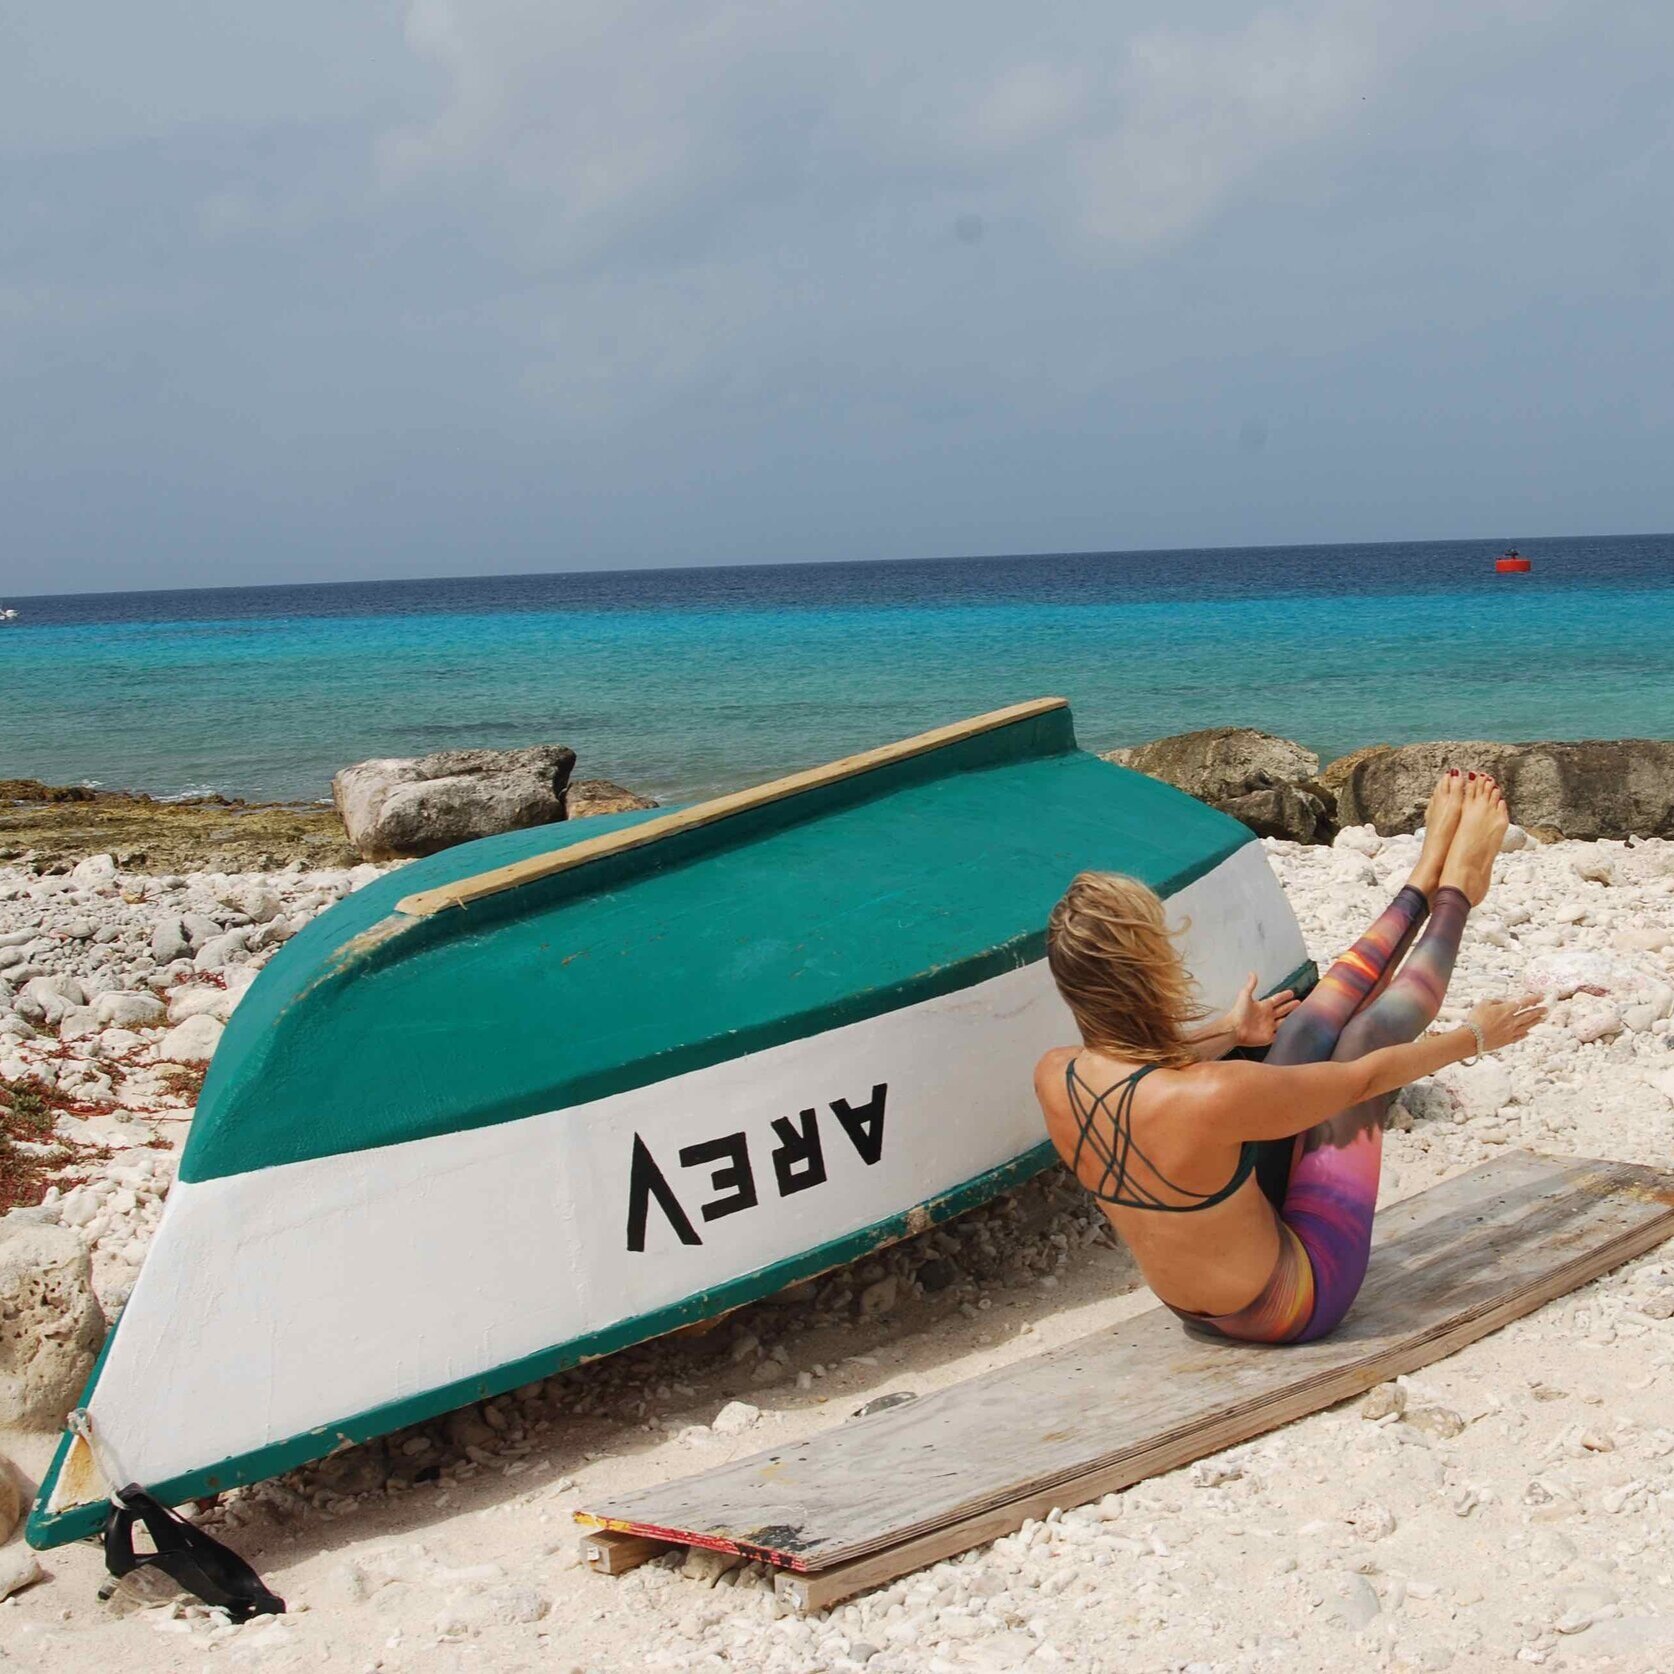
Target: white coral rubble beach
1510	1505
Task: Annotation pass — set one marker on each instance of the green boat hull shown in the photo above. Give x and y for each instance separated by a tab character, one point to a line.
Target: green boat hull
546	1095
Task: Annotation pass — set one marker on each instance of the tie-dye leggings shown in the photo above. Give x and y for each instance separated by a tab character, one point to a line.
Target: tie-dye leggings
1325	1215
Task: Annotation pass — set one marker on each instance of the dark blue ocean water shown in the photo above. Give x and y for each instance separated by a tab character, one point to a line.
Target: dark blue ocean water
681	682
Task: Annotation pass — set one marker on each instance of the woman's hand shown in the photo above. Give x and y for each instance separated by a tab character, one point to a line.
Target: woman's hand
1505	1022
1254	1022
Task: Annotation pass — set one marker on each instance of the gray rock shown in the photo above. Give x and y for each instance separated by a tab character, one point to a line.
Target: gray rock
200	928
1297	813
735	1417
879	1298
76	1022
193	1001
357	1470
128	1011
191	1042
1598	788
51	1324
219	949
11	1498
585	797
169	942
708	1567
1219	763
45	999
396	807
1351	1601
19	1568
1434	1420
261	904
1267	782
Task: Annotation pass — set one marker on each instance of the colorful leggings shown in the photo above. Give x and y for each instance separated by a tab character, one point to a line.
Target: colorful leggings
1325	1206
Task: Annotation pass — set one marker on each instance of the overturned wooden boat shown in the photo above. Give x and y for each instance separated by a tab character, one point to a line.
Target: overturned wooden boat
548	1094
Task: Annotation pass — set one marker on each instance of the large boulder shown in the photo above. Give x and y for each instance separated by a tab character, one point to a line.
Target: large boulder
1267	782
11	1498
51	1324
394	807
1297	813
599	796
1603	788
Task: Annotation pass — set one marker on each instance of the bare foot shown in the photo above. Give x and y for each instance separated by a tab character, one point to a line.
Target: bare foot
1469	866
1441	820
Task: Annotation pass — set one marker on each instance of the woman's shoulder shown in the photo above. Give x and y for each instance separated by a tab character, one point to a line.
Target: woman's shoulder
1053	1064
1092	1067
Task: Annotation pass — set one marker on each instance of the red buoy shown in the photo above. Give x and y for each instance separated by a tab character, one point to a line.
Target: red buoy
1511	562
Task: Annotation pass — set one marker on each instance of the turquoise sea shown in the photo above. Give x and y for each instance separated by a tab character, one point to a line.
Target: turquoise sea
682	682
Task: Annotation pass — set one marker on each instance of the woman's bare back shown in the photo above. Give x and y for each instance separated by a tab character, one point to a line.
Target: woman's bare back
1203	1259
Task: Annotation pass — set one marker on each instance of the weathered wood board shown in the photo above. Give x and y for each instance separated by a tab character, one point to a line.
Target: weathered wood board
880	1496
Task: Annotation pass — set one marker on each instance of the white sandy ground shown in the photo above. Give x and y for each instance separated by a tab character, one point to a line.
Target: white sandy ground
1516	1511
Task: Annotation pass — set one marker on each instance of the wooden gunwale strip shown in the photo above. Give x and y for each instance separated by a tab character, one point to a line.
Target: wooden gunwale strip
422	903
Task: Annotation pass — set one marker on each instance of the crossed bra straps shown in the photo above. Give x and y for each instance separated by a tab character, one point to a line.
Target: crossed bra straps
1116	1185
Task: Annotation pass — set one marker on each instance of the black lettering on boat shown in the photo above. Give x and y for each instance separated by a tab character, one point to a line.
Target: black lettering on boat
865	1125
798	1158
645	1181
736	1179
798	1164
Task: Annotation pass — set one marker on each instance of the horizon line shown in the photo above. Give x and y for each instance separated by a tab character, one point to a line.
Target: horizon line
849	563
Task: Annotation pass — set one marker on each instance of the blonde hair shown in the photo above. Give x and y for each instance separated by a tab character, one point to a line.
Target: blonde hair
1110	953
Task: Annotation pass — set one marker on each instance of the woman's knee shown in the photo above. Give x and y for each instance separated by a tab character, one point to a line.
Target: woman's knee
1371	1029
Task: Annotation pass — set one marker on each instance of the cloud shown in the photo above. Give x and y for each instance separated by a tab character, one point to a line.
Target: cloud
1195	113
600	123
652	279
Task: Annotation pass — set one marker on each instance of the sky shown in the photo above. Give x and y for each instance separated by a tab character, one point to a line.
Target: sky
317	291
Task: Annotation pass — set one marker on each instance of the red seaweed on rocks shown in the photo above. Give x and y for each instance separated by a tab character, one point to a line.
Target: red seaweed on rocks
32	1156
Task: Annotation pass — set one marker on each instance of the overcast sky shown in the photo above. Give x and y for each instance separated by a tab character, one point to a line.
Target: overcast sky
471	286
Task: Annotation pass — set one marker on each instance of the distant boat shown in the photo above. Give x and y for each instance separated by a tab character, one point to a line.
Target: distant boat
7	614
550	1093
1511	562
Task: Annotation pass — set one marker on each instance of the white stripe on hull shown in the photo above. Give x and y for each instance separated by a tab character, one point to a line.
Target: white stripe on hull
297	1296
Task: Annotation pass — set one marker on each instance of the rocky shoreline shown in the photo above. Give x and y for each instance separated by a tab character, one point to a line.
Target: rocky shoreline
48	828
395	808
1510	1506
1598	788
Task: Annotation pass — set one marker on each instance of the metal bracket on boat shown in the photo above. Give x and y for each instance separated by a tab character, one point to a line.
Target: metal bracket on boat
190	1558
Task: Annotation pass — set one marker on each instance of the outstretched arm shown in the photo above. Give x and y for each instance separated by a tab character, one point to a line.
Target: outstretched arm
1262	1101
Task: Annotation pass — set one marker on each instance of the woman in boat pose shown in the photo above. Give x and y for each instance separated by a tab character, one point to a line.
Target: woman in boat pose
1169	1141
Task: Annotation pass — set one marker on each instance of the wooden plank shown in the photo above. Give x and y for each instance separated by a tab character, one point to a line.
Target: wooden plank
966	1464
462	891
611	1552
808	1593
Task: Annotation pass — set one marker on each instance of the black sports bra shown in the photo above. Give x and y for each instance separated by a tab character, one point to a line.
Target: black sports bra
1115	1185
